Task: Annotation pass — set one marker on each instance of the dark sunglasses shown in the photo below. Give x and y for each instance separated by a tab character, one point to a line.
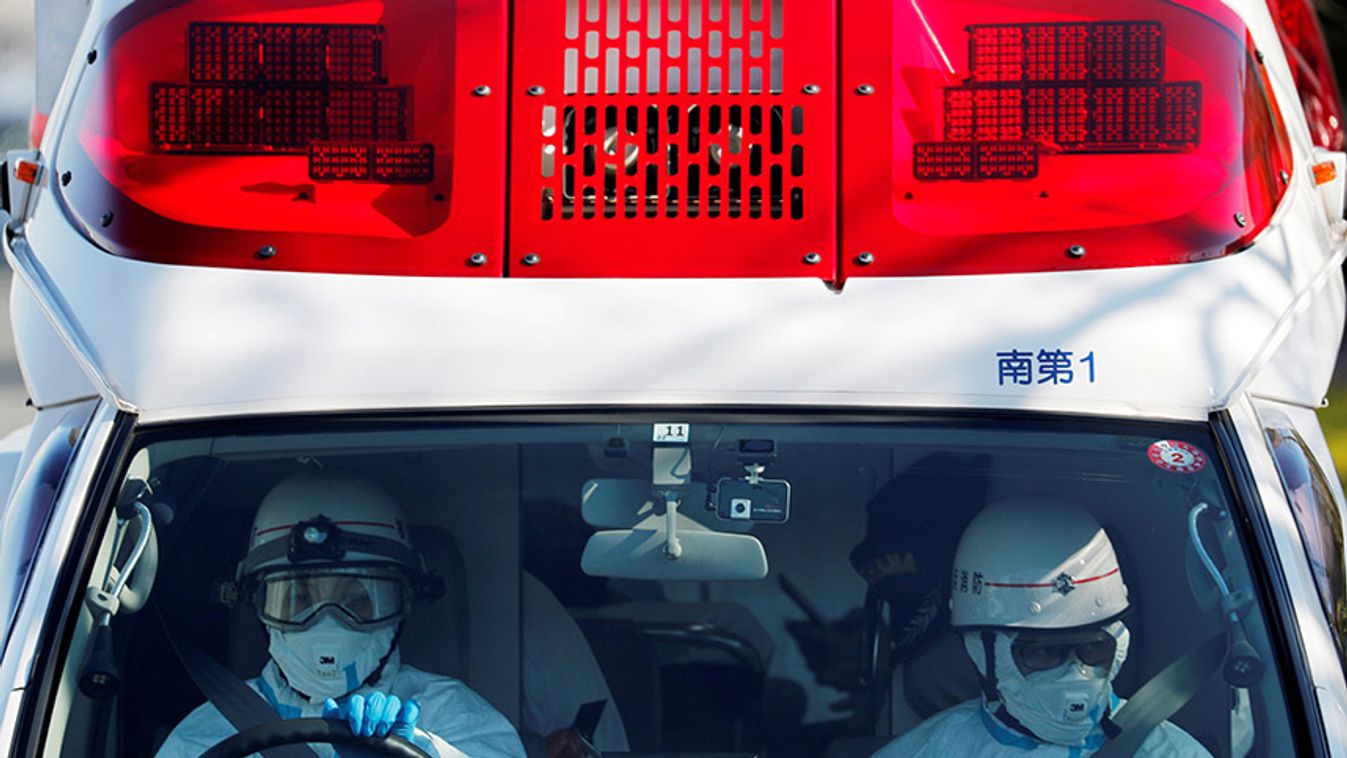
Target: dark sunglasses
1043	653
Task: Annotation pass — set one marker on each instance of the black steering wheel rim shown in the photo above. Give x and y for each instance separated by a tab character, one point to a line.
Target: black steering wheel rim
282	732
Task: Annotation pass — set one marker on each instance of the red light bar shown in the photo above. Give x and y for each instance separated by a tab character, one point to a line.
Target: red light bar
935	161
285	53
1312	69
232	118
211	130
377	161
1071	87
1010	134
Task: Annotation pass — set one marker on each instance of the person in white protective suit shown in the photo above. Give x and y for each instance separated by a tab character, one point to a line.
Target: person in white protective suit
1039	598
332	574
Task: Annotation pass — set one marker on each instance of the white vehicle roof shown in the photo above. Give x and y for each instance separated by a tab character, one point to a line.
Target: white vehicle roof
177	342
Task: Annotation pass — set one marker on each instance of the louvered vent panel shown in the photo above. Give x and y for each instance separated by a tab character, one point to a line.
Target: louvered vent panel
673	138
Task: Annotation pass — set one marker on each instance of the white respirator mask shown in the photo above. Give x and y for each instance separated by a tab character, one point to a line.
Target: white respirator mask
329	659
1062	705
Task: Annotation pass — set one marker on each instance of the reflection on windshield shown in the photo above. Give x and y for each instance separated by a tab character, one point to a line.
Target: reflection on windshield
628	586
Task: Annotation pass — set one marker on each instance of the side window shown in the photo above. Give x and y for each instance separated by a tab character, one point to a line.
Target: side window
1319	519
25	518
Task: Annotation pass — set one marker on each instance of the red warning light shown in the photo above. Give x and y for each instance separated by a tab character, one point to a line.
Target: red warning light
1312	70
1007	134
283	88
1069	88
211	129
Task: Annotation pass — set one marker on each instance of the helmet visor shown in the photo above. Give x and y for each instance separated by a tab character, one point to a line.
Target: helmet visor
368	597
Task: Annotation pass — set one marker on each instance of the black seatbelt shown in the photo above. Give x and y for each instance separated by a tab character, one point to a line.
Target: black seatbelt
1162	697
240	704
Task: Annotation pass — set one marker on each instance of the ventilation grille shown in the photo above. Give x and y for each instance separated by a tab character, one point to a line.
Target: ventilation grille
736	161
672	108
672	46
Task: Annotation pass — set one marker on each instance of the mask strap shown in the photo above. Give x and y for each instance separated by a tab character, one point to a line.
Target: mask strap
378	672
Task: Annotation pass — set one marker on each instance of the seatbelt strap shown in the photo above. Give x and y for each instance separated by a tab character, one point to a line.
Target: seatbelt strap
1162	697
240	704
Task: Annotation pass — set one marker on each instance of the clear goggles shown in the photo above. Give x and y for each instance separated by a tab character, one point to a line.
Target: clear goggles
366	597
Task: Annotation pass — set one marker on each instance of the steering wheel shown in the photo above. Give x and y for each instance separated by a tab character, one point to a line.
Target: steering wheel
299	731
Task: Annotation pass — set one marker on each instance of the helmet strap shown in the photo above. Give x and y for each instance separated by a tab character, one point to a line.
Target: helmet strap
989	690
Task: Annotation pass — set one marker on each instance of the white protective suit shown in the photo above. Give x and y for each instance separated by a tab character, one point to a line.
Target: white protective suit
459	720
969	731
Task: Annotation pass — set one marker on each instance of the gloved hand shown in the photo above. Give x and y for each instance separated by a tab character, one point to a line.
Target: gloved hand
375	715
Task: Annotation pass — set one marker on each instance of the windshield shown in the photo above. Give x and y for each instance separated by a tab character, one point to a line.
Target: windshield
700	584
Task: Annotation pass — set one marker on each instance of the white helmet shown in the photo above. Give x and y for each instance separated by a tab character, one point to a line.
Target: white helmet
1035	563
323	535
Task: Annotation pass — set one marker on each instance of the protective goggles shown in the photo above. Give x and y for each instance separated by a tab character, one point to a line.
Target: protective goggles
367	597
1044	652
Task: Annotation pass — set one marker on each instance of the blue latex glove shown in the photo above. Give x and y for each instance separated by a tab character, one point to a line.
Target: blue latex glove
375	715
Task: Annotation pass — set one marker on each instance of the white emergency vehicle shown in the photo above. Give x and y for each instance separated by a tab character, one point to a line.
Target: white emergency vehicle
690	335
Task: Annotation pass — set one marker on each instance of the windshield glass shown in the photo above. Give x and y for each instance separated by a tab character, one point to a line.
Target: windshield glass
697	584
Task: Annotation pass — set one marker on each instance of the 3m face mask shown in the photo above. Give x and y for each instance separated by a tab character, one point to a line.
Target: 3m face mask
1062	705
329	659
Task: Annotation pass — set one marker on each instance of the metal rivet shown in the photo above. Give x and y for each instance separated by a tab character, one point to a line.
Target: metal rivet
1286	177
106	219
812	89
865	259
477	259
813	259
1076	251
65	178
481	90
1241	220
532	259
92	56
266	251
536	90
865	89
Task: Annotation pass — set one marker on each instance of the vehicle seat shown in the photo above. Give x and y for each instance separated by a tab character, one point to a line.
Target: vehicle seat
688	676
561	673
937	677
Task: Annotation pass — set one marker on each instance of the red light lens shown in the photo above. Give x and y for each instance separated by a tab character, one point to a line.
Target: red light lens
1312	68
1142	131
1094	87
209	129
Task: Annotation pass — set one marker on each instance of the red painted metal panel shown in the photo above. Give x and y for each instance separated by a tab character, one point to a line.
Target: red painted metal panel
346	137
981	137
673	138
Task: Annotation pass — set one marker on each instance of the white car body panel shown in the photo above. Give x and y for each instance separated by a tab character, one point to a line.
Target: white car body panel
1318	642
1174	341
55	547
176	343
1171	341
